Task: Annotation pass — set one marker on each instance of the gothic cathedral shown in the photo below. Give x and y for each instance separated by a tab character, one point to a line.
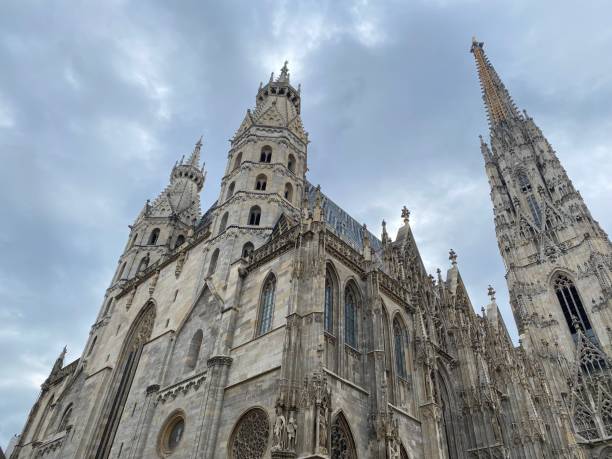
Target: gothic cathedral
274	325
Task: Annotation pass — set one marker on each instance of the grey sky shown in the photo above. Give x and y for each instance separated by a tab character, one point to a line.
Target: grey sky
98	99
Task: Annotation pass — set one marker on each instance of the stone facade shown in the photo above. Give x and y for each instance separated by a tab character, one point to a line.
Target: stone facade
275	325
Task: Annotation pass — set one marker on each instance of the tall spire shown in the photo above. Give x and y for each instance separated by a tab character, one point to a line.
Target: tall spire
194	158
498	102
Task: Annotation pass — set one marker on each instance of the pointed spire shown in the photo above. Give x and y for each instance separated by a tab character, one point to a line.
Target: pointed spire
385	236
484	149
194	158
498	102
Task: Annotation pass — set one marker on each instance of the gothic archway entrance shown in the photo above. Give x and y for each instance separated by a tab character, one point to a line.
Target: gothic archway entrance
122	379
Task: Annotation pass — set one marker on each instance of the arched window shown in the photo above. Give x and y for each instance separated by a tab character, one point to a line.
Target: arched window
266	154
93	345
43	418
247	250
523	182
213	262
237	161
180	240
291	163
144	263
266	307
249	439
342	443
66	418
534	207
120	274
194	350
288	192
223	223
154	236
260	182
329	303
254	215
399	340
350	317
230	190
571	305
133	241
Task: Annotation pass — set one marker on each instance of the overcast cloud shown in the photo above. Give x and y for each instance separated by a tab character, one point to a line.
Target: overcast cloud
99	99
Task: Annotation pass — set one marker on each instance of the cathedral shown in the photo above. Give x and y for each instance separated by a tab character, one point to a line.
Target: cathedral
274	325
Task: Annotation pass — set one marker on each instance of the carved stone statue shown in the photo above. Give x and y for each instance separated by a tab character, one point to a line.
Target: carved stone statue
291	432
280	430
323	414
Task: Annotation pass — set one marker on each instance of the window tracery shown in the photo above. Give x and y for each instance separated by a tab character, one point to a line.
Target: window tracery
350	317
329	304
266	308
250	437
571	305
399	337
342	444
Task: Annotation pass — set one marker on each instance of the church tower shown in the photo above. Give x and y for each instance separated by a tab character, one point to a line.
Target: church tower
264	177
558	259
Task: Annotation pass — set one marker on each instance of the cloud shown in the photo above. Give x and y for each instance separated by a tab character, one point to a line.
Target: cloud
98	100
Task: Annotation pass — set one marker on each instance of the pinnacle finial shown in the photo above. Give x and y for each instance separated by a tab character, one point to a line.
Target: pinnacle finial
284	73
452	256
491	293
194	158
405	215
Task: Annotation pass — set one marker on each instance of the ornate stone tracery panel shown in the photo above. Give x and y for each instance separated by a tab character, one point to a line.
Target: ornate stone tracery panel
342	444
250	437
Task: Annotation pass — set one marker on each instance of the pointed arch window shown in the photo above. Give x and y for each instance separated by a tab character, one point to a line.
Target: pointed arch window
266	154
230	190
254	215
571	305
266	308
288	192
350	317
247	250
329	303
261	182
194	350
223	223
154	236
399	340
66	418
180	240
144	263
133	241
120	274
534	207
120	385
523	182
291	163
92	347
342	443
237	161
213	262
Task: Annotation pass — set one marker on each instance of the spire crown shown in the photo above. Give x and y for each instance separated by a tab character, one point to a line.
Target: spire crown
500	106
280	87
